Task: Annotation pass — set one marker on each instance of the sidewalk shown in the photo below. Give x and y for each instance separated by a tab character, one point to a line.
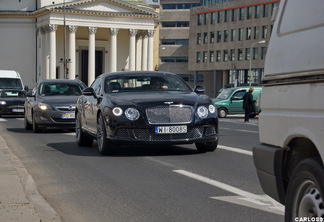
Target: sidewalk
19	199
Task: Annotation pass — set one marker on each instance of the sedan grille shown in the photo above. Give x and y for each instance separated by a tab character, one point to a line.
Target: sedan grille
66	108
174	114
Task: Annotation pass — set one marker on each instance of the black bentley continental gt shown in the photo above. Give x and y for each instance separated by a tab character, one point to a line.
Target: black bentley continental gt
145	107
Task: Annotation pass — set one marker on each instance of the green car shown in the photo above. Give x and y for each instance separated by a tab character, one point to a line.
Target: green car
230	101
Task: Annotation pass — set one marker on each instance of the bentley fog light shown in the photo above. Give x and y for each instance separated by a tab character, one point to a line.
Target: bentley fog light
202	112
132	114
117	111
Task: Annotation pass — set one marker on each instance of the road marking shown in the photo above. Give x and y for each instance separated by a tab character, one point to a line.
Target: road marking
3	120
261	202
237	150
246	131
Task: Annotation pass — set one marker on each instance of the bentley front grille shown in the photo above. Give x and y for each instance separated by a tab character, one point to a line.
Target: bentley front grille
173	114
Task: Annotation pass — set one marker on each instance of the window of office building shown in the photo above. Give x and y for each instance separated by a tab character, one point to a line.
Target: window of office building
255	53
239	54
218	55
205	56
249	13
199	19
206	18
205	37
179	6
219	16
198	38
232	57
257	11
273	6
225	55
212	17
226	15
264	31
256	32
175	24
219	36
212	37
241	14
240	34
174	59
248	33
263	52
247	54
234	14
198	57
265	10
211	56
175	41
233	35
225	35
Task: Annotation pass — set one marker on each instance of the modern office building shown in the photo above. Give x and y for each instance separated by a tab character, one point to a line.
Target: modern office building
174	37
228	41
50	39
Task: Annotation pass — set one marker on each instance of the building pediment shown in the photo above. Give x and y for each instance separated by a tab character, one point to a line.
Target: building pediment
104	6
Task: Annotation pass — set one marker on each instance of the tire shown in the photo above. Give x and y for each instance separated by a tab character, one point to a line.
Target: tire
82	139
35	126
206	147
222	112
27	125
305	191
105	146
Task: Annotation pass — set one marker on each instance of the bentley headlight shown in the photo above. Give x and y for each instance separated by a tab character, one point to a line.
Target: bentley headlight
212	108
202	112
3	103
132	114
117	111
44	106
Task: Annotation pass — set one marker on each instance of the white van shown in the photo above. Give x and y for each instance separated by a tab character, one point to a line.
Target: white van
10	79
289	158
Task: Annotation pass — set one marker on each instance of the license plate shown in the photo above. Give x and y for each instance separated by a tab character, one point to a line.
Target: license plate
17	110
170	129
68	116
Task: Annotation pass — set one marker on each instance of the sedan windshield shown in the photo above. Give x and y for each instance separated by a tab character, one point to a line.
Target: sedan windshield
225	94
137	83
55	89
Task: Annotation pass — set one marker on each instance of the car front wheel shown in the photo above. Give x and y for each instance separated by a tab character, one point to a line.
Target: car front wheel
207	147
305	191
27	125
35	126
105	146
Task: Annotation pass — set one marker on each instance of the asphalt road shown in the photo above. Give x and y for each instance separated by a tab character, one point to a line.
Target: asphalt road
146	184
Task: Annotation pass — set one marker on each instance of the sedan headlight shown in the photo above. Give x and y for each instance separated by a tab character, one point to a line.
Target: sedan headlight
3	103
202	112
132	114
212	108
44	106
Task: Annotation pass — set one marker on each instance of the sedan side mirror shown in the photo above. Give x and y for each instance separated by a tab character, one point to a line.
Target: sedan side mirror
89	92
30	94
199	89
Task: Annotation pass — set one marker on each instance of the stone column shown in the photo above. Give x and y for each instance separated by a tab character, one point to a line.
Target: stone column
113	49
92	52
52	50
139	52
44	72
144	53
132	46
150	50
71	53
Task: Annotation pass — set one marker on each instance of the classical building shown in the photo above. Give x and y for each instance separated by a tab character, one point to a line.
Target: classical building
228	41
49	39
174	37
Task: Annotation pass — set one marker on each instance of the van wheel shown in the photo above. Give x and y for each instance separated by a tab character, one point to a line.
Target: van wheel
222	112
305	191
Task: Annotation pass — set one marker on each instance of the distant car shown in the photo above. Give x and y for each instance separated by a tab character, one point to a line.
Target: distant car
12	102
51	103
230	101
145	108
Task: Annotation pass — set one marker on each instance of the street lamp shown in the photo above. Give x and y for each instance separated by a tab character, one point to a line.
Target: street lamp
250	70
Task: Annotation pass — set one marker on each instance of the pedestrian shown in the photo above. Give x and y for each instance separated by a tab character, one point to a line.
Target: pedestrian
248	104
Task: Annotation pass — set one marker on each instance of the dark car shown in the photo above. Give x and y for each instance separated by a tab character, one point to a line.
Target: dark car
145	107
51	103
12	102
